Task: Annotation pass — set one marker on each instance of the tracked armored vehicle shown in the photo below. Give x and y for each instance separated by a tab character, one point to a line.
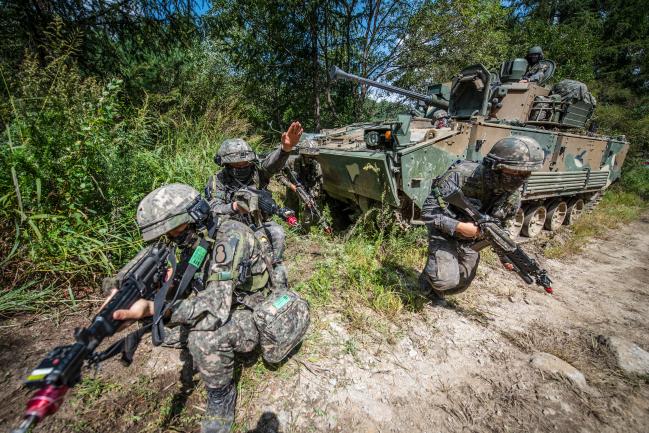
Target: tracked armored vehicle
395	162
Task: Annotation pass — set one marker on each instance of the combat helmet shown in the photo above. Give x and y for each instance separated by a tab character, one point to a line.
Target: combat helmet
440	114
234	150
166	208
535	51
522	154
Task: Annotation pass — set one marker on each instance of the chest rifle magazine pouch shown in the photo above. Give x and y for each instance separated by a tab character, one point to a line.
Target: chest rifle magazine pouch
282	320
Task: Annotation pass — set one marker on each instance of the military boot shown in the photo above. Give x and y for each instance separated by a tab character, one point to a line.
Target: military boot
425	289
219	414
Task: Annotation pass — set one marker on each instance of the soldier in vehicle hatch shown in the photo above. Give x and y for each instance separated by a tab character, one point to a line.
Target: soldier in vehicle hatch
493	186
536	70
241	169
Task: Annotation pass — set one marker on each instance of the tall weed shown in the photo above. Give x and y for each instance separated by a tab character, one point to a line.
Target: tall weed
79	154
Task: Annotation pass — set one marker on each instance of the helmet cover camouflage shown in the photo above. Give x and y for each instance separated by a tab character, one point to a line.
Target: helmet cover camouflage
522	154
439	114
164	209
535	51
308	146
235	150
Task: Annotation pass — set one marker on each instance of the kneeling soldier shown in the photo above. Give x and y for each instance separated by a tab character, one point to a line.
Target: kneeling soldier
233	306
493	186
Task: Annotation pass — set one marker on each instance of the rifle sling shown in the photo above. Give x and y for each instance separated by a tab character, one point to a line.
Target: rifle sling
160	304
126	346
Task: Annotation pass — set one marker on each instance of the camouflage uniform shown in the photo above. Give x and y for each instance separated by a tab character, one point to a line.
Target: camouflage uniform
309	173
536	72
493	186
219	326
216	320
452	262
220	190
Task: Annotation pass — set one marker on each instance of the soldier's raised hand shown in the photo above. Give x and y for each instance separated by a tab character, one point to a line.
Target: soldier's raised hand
291	136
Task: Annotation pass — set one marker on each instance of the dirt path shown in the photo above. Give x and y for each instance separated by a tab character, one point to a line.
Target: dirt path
462	367
466	367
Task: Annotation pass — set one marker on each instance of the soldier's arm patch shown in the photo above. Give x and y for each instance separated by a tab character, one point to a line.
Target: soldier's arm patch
220	254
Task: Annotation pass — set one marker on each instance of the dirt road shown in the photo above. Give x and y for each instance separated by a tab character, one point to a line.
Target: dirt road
466	367
463	367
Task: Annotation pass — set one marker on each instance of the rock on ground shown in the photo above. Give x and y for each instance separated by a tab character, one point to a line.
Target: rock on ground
551	364
630	357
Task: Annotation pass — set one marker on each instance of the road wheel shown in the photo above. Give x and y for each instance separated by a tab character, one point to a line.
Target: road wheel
556	215
575	209
514	227
533	221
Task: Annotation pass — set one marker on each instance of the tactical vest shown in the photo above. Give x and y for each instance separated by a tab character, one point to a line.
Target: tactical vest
479	185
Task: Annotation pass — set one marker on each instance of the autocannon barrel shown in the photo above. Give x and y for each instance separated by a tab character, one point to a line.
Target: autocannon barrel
336	73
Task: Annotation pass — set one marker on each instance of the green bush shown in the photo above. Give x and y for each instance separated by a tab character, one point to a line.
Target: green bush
79	154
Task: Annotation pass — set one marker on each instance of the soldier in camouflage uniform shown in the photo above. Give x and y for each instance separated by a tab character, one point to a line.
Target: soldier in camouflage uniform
229	284
243	169
493	186
535	69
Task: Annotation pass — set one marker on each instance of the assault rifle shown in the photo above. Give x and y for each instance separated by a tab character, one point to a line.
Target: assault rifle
503	245
61	369
260	204
291	181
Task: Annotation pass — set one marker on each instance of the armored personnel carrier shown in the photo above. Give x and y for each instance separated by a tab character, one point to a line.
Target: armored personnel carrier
394	162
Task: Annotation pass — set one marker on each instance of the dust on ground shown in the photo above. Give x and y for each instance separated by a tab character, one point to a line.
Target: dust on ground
460	367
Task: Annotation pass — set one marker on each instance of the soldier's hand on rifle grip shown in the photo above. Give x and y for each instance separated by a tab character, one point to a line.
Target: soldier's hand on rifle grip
508	266
467	230
139	310
240	207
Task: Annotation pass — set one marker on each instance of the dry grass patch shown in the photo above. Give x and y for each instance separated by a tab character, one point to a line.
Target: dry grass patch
616	208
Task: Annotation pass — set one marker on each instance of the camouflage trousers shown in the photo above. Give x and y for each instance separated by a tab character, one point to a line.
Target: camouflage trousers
214	351
278	242
450	268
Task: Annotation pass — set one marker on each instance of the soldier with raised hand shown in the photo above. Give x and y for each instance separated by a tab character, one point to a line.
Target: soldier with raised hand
228	309
494	187
536	70
241	169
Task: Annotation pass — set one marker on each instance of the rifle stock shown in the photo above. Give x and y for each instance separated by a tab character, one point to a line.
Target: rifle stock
525	266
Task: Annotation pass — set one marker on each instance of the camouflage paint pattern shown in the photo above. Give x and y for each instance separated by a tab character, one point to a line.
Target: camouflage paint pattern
235	150
164	209
365	174
482	114
419	162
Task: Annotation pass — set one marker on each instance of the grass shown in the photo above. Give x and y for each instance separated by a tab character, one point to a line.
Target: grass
92	388
616	208
24	299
